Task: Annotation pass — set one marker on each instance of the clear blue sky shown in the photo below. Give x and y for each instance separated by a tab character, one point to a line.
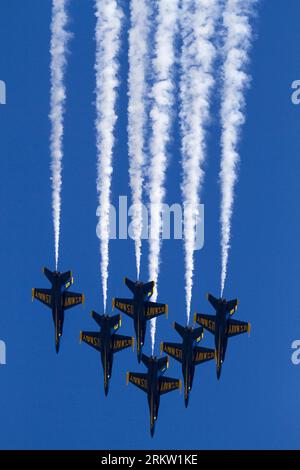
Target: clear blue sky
58	402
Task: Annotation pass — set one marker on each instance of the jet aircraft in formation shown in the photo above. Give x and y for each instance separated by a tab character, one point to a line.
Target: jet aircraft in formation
222	326
140	309
58	298
107	342
188	354
154	383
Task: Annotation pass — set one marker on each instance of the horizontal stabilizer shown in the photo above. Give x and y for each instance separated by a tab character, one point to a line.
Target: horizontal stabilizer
48	274
213	301
98	318
180	329
130	284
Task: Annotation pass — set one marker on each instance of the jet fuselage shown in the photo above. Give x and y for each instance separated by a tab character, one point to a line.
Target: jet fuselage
106	353
188	367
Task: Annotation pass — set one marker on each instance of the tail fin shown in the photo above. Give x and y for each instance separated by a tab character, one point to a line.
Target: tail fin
180	329
163	363
97	317
198	334
148	288
115	322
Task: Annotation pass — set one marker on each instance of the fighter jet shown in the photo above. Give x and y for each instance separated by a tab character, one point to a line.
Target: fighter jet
107	342
140	309
58	298
222	326
154	383
188	354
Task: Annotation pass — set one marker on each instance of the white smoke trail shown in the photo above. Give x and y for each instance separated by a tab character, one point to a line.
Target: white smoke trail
137	89
162	95
238	35
108	28
198	22
58	49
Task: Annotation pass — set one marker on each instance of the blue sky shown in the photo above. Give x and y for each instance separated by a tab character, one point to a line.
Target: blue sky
58	402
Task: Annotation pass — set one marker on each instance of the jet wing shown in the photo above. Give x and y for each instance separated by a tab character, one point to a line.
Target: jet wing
236	327
120	342
203	355
167	384
207	321
138	379
173	349
71	299
124	305
91	338
153	309
43	295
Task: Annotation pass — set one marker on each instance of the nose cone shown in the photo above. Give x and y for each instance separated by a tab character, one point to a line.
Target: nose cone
186	400
219	368
152	429
57	347
106	389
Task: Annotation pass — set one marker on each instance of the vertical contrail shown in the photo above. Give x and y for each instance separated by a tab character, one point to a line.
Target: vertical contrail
238	35
198	22
108	28
160	115
58	49
137	90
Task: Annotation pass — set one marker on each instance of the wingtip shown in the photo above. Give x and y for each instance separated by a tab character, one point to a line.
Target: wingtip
180	386
127	378
80	337
167	310
249	329
83	300
113	303
32	294
161	348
